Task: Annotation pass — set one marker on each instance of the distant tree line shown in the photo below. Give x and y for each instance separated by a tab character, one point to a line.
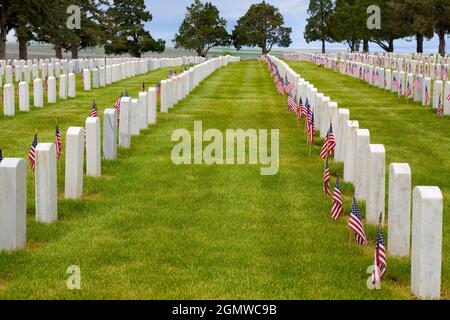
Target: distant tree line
346	21
117	25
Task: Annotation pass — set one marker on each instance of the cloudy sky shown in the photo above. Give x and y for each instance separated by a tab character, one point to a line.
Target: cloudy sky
168	14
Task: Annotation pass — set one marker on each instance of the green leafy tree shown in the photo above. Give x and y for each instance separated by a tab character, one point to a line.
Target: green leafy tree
51	24
318	26
126	33
202	29
91	33
394	24
262	26
419	20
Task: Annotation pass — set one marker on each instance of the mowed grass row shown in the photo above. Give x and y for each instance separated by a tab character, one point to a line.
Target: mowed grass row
410	133
149	229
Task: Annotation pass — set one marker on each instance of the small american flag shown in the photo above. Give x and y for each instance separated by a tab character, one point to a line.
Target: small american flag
93	112
440	108
326	179
158	88
355	223
311	127
143	86
400	90
427	95
126	92
32	153
300	109
448	97
280	85
408	90
417	84
117	104
288	87
394	83
1	155
380	261
58	143
291	104
45	84
329	144
337	207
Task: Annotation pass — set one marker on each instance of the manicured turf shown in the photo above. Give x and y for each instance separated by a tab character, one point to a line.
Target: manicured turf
149	229
410	133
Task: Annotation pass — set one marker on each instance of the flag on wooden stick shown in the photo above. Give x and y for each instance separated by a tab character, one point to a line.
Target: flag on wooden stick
58	143
337	207
380	260
356	225
32	153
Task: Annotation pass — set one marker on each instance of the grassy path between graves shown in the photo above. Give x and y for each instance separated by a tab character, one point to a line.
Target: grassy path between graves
149	229
410	132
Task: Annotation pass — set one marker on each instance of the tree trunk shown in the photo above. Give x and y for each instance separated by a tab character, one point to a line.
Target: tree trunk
58	50
365	45
391	45
3	34
357	46
441	35
323	46
419	39
23	52
74	50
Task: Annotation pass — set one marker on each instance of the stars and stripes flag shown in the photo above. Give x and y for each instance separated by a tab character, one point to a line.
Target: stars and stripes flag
448	97
337	207
380	260
291	105
417	84
143	86
326	179
93	112
408	90
356	225
394	83
329	144
288	87
117	104
280	85
440	108
158	88
400	90
58	143
45	84
1	155
305	108
32	153
311	127
126	92
300	109
427	95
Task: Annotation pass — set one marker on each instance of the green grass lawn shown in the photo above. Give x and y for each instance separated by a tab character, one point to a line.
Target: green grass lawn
149	229
410	133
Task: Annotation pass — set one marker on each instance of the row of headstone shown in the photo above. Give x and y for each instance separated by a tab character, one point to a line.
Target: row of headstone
98	77
427	90
365	168
136	114
26	70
